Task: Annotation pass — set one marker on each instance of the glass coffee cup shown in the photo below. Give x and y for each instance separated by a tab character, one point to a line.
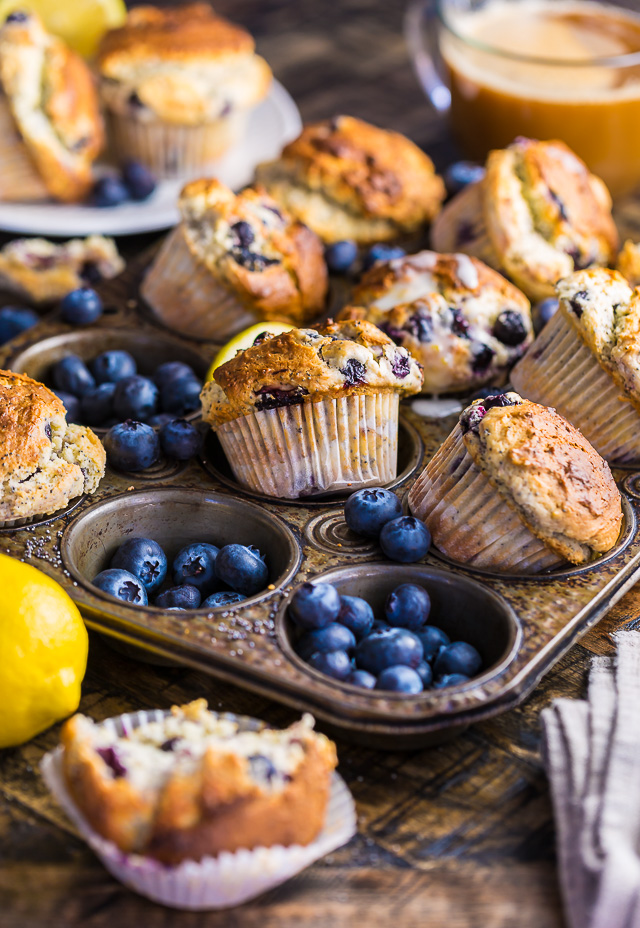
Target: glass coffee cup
546	69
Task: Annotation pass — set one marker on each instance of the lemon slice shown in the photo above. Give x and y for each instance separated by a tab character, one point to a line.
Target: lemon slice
81	23
245	339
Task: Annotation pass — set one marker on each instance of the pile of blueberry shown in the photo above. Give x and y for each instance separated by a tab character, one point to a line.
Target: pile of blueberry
202	575
377	513
401	653
14	320
344	257
136	182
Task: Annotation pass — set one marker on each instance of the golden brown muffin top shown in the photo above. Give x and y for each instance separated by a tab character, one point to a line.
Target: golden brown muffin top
26	412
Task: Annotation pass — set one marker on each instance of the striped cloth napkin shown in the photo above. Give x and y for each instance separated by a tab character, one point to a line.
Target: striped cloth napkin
591	751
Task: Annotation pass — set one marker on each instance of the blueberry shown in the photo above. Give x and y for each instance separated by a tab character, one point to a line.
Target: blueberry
356	614
433	639
425	673
224	598
458	657
81	307
366	511
172	370
450	679
543	311
14	320
139	180
362	679
333	637
185	596
112	366
243	234
180	395
408	606
72	375
382	252
242	568
379	625
335	664
180	439
109	191
18	16
460	174
71	403
509	328
340	256
481	357
196	564
314	605
388	647
262	768
131	446
136	398
96	406
160	419
122	585
144	558
405	539
400	679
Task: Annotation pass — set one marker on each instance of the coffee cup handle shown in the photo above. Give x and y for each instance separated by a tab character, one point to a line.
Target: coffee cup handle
420	21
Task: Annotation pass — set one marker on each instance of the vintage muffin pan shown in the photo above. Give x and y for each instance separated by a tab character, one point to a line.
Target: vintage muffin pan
520	625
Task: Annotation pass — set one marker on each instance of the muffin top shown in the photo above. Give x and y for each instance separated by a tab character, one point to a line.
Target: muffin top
348	179
30	414
629	262
463	321
546	214
274	264
547	471
181	64
53	100
306	365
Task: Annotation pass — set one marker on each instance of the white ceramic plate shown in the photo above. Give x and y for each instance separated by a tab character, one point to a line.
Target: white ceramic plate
271	125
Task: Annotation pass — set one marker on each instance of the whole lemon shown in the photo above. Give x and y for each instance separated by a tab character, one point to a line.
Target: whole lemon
43	652
244	340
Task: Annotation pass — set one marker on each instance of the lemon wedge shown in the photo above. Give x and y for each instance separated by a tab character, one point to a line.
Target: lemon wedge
245	339
81	23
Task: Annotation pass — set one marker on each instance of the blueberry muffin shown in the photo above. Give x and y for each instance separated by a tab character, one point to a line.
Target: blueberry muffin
586	362
347	179
43	272
312	410
44	462
537	216
517	488
178	85
629	262
463	322
50	125
198	783
232	261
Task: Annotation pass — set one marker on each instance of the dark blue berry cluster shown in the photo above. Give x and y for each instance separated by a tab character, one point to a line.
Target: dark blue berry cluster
377	513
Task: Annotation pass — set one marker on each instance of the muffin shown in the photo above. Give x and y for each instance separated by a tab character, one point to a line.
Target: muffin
312	410
195	784
463	322
586	362
537	216
43	272
178	85
347	179
234	260
516	488
44	462
50	125
629	262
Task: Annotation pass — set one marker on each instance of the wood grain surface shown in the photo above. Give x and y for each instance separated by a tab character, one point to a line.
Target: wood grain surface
458	836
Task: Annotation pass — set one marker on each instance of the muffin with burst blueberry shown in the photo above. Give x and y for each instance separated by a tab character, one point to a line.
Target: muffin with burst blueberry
462	321
312	410
586	362
537	216
347	179
234	260
178	85
517	488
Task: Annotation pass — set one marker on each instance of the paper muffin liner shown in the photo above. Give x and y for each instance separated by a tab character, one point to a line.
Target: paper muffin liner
186	297
18	523
469	520
213	882
334	444
173	151
19	177
559	370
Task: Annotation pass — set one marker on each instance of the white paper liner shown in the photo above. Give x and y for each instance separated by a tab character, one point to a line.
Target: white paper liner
213	882
186	297
19	177
323	447
469	520
559	370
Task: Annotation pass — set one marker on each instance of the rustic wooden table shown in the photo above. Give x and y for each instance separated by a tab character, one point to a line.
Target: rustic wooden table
459	836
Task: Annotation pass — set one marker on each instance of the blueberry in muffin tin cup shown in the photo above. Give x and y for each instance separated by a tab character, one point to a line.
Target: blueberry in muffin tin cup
213	882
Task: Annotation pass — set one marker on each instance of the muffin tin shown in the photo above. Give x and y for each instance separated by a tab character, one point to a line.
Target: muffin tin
520	625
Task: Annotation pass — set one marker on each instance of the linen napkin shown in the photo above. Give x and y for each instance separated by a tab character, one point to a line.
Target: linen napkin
591	751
